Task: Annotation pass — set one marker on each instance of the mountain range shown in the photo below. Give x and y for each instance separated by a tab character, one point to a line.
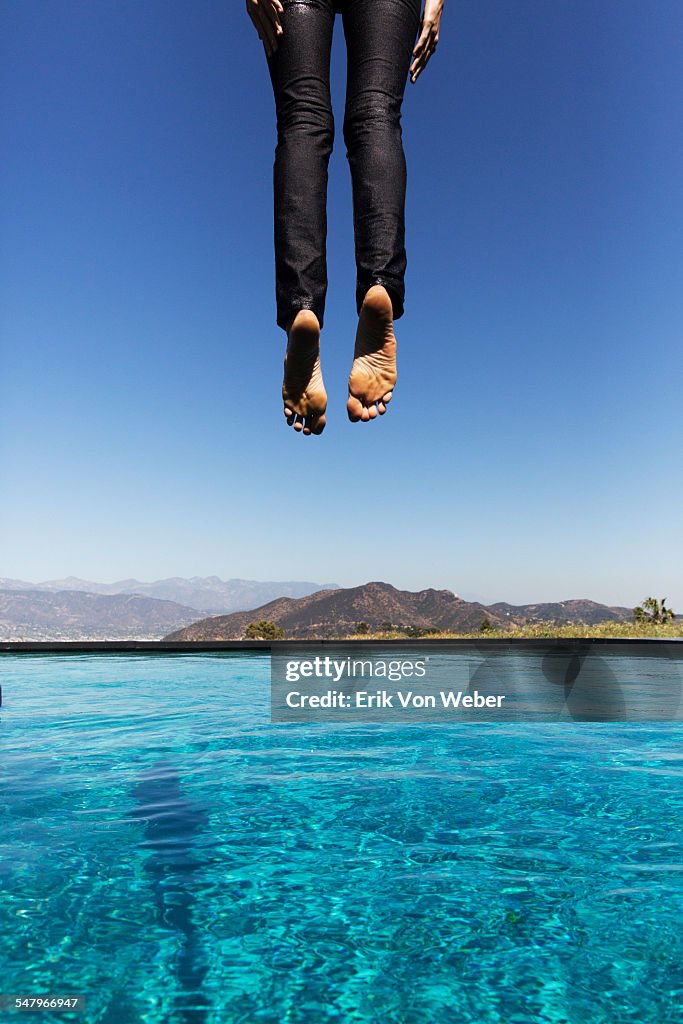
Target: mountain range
76	609
206	593
337	613
77	615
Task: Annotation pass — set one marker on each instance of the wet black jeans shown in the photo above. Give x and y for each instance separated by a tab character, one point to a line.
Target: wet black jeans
380	35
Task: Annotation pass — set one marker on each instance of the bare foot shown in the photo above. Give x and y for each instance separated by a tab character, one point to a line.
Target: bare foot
303	391
373	374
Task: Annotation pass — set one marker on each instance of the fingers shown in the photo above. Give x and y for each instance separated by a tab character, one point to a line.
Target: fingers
265	15
424	49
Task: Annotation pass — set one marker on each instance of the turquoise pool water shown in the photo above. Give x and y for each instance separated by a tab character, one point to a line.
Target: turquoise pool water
175	857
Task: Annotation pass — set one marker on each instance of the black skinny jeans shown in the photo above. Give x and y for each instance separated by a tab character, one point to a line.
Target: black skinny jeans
380	35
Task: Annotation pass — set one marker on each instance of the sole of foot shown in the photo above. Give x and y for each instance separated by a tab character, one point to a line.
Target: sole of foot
373	374
303	391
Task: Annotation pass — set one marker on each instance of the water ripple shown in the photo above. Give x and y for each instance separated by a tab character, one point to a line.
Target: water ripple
168	851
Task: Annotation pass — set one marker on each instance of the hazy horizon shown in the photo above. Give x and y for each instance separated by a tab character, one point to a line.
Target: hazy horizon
466	595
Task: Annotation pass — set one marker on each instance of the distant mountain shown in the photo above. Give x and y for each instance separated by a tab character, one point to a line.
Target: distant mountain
205	593
562	612
337	613
46	612
75	615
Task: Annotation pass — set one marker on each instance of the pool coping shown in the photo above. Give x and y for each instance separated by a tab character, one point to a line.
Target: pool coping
198	646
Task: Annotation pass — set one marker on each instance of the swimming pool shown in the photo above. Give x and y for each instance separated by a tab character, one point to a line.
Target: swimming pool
172	855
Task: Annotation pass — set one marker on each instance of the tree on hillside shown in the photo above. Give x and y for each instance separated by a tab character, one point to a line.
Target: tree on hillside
486	626
653	611
362	627
263	630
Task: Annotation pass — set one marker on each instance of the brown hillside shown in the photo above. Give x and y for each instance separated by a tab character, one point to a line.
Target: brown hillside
330	613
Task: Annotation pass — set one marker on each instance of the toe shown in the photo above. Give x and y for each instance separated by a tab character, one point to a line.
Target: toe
298	423
310	423
319	425
365	415
354	409
381	408
372	412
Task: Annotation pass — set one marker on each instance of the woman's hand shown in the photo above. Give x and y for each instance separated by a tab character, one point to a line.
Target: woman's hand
265	15
429	37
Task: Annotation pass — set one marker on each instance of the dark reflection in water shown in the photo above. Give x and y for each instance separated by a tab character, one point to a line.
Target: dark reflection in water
172	824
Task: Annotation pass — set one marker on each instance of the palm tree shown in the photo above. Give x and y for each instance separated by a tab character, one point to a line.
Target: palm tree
653	611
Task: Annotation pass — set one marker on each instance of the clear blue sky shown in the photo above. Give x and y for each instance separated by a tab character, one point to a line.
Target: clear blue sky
533	449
